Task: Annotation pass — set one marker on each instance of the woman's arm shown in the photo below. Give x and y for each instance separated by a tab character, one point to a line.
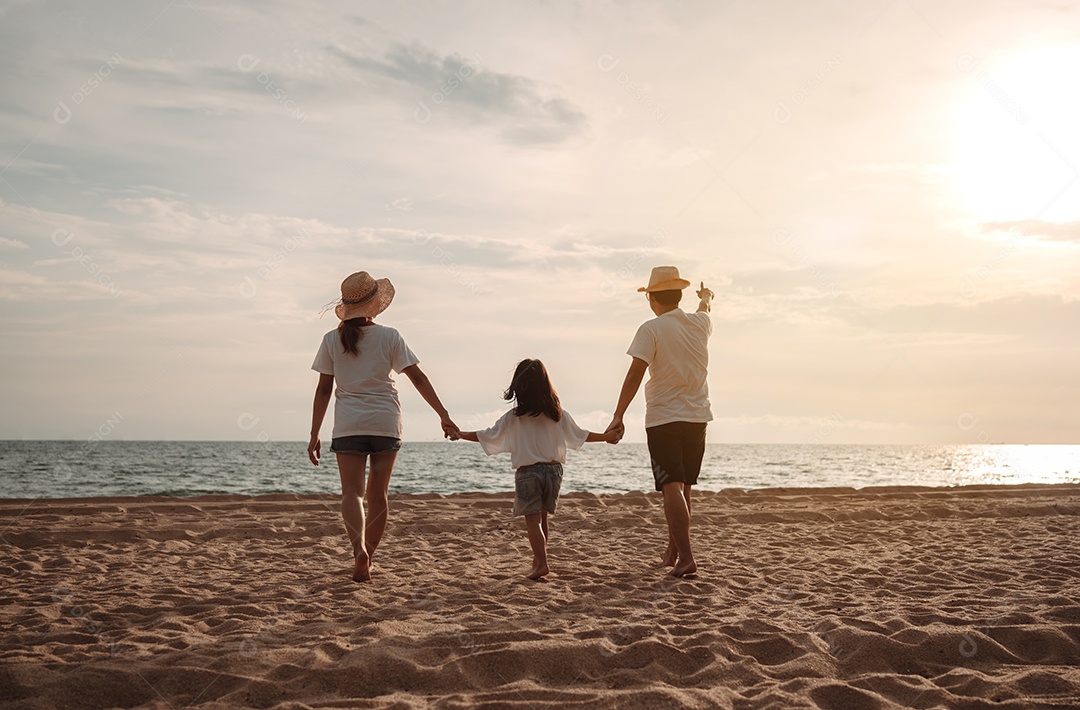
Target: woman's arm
427	391
323	392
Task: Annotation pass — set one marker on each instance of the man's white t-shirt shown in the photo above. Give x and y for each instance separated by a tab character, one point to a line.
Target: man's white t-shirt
532	439
676	347
366	398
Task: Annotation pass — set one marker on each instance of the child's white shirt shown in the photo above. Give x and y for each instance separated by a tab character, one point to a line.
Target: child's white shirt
532	440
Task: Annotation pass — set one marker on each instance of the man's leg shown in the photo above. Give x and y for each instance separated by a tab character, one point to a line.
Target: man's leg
671	554
677	513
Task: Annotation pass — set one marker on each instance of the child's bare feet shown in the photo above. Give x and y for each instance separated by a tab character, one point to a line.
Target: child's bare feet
684	569
538	571
362	568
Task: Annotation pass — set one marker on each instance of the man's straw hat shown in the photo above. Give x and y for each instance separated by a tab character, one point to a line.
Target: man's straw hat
665	278
363	296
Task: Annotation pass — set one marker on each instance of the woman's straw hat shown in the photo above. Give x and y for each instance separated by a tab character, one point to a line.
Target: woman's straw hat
363	296
665	278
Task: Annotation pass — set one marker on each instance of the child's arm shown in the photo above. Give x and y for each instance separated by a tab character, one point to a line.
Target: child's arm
468	436
611	437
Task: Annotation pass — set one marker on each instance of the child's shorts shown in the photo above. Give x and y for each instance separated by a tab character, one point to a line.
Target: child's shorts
537	487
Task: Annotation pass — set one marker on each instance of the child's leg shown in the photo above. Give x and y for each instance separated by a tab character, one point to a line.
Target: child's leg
382	465
538	542
351	470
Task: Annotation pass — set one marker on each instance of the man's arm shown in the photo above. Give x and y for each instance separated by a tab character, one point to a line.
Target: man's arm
630	387
706	297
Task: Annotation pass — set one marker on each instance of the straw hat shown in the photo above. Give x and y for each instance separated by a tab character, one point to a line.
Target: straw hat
363	296
665	278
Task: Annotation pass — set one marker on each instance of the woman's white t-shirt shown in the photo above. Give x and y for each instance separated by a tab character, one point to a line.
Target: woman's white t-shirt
532	439
366	398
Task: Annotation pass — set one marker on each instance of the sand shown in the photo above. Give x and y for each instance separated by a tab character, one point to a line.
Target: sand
814	598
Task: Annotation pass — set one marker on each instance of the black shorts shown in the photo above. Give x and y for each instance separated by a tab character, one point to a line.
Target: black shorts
364	445
676	450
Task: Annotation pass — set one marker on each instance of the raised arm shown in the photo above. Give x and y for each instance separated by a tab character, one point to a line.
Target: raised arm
706	296
630	387
323	392
427	391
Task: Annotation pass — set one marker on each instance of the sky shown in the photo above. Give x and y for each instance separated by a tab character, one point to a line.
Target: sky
885	197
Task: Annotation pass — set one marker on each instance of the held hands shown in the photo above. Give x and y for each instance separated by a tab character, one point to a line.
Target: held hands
450	430
615	430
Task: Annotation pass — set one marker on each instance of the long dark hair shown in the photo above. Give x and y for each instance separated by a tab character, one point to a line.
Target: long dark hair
351	332
532	389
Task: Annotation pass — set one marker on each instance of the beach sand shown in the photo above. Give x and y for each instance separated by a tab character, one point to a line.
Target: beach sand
813	598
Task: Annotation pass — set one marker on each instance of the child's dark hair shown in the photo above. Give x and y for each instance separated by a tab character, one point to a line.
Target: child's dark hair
532	389
351	333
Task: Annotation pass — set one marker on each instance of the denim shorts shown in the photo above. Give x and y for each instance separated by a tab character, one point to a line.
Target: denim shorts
536	488
364	445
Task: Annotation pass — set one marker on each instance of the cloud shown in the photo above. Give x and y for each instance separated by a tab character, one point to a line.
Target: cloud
11	243
1051	231
527	111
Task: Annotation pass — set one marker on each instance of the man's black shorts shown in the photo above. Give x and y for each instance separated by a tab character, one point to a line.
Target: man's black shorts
676	450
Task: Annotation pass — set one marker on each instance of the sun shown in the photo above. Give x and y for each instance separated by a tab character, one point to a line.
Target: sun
1016	147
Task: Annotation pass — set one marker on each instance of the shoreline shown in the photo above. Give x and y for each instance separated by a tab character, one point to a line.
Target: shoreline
890	597
728	492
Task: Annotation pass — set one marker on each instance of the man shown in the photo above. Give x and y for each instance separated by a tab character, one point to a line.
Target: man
673	347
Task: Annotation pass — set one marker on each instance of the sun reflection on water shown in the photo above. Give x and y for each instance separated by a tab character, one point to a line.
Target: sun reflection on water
1011	463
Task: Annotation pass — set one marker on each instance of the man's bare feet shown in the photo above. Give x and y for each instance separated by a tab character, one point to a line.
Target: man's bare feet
538	571
684	569
362	568
670	556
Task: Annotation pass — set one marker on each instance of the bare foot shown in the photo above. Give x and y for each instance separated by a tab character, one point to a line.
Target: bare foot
684	569
538	571
362	568
670	556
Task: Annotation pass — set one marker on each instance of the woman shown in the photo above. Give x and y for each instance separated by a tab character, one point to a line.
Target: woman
361	354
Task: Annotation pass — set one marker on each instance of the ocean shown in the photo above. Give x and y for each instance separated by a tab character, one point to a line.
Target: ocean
67	469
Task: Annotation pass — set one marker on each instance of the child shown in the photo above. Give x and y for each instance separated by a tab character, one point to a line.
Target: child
536	433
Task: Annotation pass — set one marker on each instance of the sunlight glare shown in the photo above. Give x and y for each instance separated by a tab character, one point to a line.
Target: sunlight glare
1016	148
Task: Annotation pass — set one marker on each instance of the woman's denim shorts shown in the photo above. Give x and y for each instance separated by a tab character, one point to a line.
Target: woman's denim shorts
364	445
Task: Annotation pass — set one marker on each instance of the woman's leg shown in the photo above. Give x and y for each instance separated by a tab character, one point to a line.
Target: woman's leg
382	465
351	469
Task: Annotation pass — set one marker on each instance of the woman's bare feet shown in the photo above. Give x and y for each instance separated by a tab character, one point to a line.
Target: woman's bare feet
684	569
362	568
670	556
538	571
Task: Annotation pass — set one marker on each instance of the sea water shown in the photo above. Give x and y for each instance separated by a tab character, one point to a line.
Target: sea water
66	469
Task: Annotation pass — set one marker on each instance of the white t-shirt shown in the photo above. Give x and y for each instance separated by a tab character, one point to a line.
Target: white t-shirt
532	439
676	347
366	399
